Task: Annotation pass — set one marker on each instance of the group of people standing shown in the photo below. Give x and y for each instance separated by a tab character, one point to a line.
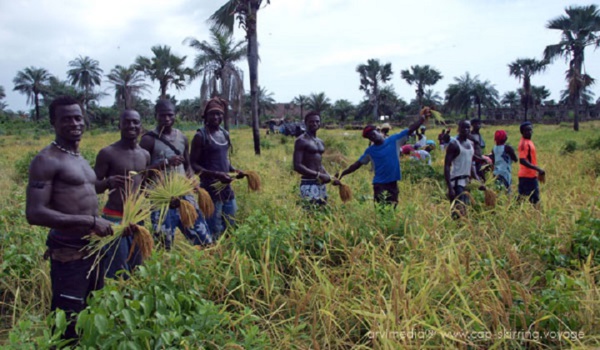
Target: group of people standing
63	187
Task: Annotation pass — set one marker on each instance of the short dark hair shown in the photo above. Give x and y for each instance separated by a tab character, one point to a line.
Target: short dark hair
475	120
310	114
61	101
163	102
524	125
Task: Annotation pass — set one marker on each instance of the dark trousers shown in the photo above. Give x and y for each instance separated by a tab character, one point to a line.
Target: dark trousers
386	193
71	287
529	187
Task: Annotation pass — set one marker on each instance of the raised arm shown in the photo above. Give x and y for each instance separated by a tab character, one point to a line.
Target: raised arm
415	126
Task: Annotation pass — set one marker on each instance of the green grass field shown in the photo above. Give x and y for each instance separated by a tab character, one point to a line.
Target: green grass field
346	277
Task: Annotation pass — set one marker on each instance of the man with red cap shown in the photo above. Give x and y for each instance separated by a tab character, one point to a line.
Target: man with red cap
209	157
503	155
384	155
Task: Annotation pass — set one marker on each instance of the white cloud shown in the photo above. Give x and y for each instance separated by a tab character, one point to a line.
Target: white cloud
306	46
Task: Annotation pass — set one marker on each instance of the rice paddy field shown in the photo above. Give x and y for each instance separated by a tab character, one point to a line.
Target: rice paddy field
350	276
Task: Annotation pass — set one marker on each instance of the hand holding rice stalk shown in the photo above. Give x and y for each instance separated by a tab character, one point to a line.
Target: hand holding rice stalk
427	112
344	190
166	190
136	208
252	177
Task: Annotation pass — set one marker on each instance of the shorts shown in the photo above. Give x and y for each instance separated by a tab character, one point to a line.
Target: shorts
313	192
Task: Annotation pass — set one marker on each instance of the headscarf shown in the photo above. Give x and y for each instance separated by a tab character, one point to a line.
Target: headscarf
215	104
407	149
367	129
500	137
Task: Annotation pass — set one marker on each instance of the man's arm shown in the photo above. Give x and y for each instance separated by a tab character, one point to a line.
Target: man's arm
528	164
452	151
352	168
298	158
186	157
102	169
39	192
511	153
415	126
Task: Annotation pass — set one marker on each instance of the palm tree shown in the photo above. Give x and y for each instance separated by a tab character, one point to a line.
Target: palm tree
431	98
300	101
246	12
523	69
586	97
128	84
470	91
85	74
421	76
539	94
510	99
318	102
372	76
165	67
342	109
216	62
32	81
266	102
578	30
2	96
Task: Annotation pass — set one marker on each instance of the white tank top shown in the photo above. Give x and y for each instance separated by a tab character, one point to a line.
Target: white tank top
461	165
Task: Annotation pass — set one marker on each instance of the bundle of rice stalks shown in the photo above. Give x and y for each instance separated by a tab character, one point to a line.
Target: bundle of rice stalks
438	117
188	213
490	198
542	178
136	208
253	180
143	239
166	187
207	207
345	193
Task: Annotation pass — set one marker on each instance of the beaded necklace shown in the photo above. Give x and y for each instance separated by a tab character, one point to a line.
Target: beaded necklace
61	148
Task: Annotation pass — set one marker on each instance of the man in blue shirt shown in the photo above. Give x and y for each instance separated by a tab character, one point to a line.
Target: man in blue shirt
384	154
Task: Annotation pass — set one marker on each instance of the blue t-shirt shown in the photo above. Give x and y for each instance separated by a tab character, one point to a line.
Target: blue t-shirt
385	158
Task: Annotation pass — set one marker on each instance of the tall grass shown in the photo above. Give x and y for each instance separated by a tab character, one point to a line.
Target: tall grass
349	276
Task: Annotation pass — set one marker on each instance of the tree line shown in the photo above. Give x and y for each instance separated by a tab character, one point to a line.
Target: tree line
216	59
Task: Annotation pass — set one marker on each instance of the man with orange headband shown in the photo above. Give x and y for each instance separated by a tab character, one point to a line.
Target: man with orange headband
384	155
503	155
209	157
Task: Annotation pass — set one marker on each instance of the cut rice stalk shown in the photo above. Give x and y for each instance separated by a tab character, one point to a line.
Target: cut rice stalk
142	239
207	207
345	193
166	187
542	178
490	198
188	213
253	180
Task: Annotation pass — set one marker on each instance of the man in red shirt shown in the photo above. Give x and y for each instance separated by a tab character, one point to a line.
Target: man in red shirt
528	168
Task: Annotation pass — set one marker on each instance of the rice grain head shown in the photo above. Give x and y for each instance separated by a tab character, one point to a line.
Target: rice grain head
345	193
188	213
253	180
142	239
206	204
490	198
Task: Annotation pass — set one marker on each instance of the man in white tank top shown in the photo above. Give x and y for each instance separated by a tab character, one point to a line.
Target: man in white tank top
458	168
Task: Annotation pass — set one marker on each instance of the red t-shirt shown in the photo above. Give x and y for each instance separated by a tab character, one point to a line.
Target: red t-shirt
527	151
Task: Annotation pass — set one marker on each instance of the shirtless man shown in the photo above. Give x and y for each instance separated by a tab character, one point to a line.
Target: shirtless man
113	166
308	153
168	148
61	195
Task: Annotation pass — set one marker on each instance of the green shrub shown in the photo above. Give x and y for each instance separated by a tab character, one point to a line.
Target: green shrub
569	147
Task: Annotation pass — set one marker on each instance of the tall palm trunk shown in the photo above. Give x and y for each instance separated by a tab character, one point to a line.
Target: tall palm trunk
577	63
163	90
37	105
376	102
226	95
251	22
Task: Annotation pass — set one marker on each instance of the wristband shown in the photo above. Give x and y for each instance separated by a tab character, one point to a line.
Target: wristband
93	224
318	174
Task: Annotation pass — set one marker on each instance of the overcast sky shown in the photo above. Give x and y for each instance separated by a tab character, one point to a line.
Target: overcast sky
306	46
